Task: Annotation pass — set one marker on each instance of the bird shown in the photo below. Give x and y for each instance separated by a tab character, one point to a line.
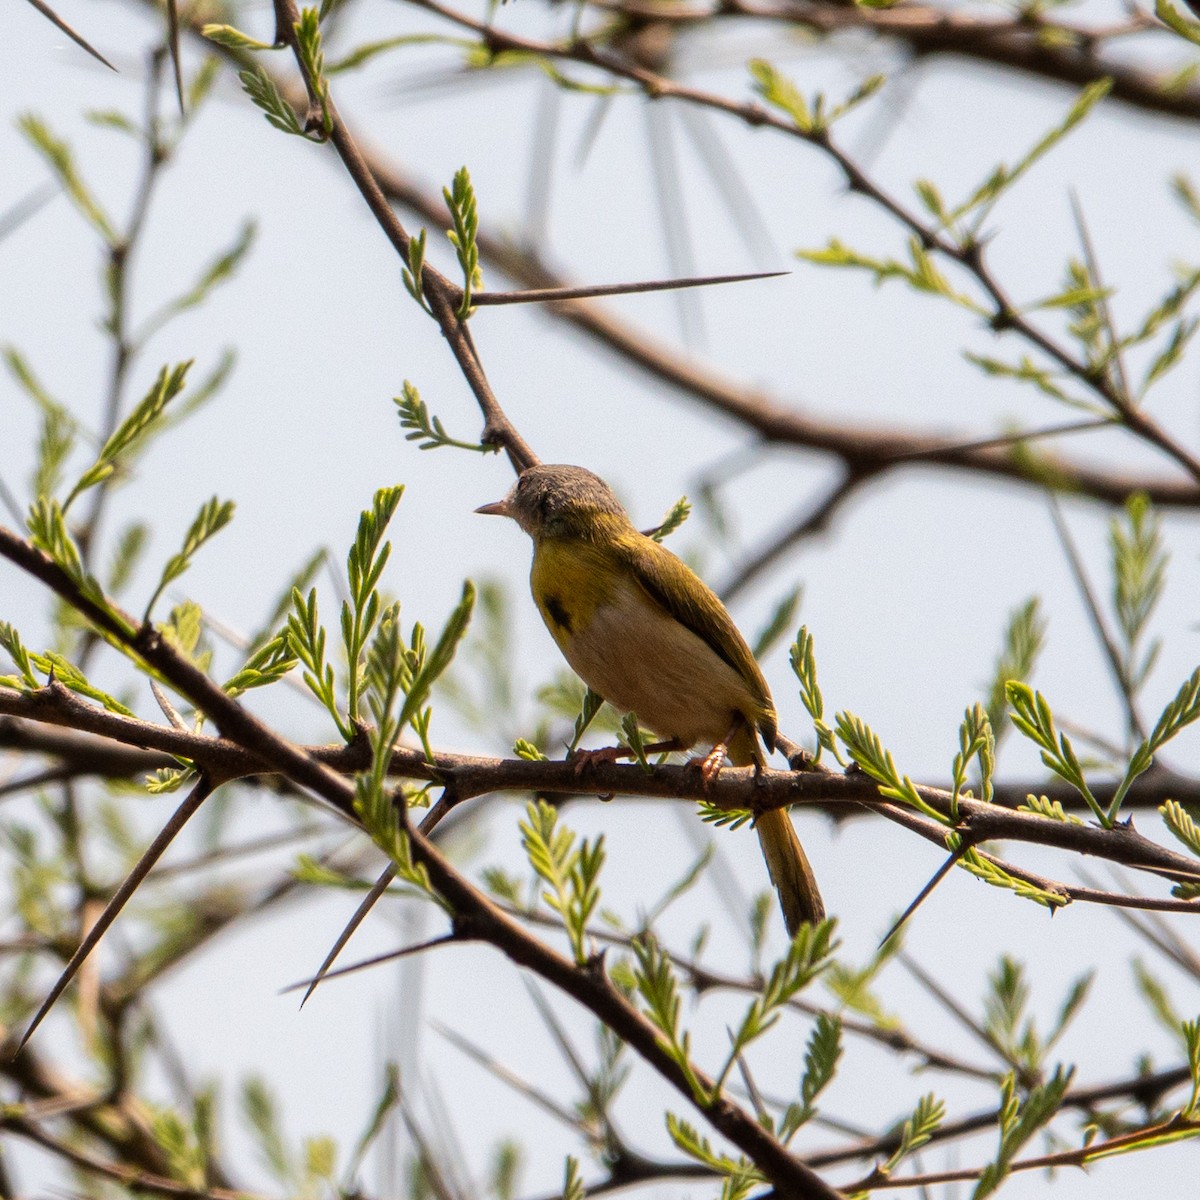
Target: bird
645	632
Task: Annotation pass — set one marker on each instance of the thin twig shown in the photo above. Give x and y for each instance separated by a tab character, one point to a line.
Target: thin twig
816	520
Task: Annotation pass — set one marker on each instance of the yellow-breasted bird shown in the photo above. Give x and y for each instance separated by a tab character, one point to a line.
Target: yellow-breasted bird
641	629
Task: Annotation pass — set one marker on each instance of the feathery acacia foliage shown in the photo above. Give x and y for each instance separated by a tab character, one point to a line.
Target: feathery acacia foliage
762	1086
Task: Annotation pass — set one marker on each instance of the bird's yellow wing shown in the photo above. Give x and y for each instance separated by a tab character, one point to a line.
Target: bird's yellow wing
686	597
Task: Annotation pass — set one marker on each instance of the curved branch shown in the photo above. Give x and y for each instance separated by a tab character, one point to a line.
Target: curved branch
1028	42
469	776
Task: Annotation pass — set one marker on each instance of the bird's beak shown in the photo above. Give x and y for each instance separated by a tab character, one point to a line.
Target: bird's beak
498	508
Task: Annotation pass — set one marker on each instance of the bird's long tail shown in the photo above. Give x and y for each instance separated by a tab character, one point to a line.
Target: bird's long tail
793	877
791	874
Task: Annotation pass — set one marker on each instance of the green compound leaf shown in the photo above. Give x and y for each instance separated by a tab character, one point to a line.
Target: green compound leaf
57	154
655	981
591	704
821	1058
1053	810
268	664
1139	565
523	748
984	198
10	639
1191	1041
975	741
809	954
679	512
131	434
1024	636
312	56
48	531
917	1129
55	666
733	818
55	443
691	1142
414	276
168	779
210	520
365	562
368	50
573	1185
781	93
1177	819
571	871
1032	716
460	200
805	668
865	748
306	643
235	39
632	732
992	873
259	86
1019	1122
1182	711
439	659
426	430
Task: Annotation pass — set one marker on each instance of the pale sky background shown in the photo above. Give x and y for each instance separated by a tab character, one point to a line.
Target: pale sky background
906	596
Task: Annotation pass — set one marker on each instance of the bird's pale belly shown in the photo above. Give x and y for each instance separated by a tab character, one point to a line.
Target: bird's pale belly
642	660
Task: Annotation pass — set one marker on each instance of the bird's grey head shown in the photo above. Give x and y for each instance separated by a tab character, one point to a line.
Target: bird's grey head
558	499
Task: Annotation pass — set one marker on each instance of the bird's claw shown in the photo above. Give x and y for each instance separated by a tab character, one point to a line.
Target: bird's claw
711	763
583	759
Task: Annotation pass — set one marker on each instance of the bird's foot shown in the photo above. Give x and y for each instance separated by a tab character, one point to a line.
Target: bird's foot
583	759
711	764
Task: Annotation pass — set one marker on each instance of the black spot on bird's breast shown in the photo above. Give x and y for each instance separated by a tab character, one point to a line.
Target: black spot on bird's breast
558	613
